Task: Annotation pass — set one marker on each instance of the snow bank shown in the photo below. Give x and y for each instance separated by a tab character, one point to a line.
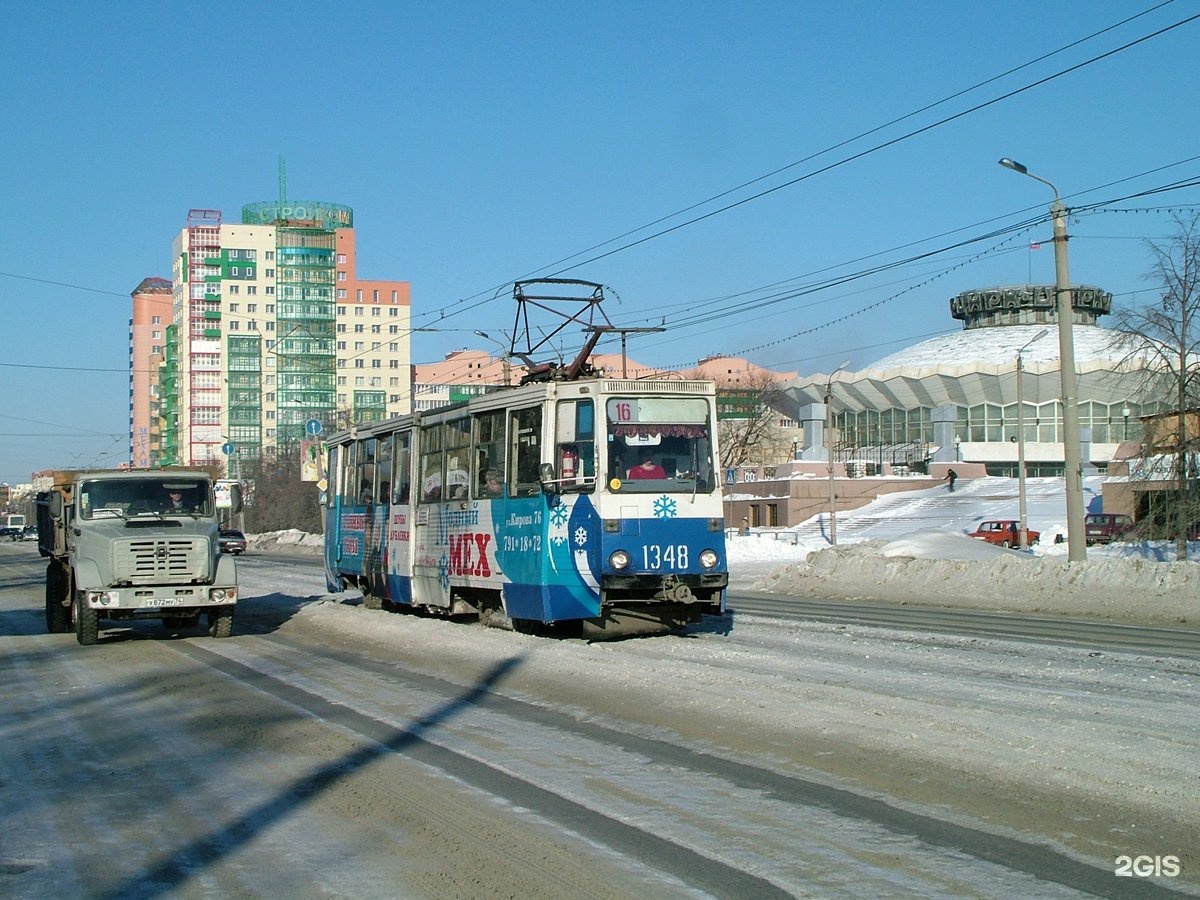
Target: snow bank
946	569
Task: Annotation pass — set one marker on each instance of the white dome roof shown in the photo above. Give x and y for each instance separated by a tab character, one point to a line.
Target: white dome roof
998	345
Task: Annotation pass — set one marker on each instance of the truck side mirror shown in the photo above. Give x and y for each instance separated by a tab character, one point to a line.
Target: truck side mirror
55	502
235	496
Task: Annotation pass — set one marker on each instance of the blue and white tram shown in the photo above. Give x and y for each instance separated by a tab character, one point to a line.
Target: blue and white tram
590	504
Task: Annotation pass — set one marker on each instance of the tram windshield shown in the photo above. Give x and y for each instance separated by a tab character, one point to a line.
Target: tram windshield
659	444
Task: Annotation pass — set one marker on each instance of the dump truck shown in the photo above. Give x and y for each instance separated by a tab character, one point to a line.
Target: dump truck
128	544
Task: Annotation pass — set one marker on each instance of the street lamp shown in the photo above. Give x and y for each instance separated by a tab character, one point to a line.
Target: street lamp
829	451
505	364
1125	416
1021	439
1072	462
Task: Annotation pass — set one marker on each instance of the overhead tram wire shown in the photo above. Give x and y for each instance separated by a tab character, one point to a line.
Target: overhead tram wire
861	135
881	146
846	160
1020	227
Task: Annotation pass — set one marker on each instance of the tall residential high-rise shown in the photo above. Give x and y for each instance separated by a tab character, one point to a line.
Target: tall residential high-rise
272	329
147	341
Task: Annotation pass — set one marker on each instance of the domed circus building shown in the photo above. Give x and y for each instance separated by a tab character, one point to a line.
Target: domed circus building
954	398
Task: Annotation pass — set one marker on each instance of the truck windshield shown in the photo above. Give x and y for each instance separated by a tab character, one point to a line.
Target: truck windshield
659	444
126	497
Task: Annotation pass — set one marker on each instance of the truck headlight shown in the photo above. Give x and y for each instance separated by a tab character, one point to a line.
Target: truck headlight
222	595
708	558
619	559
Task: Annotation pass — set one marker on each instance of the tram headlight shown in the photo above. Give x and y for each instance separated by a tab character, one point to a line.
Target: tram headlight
708	558
619	559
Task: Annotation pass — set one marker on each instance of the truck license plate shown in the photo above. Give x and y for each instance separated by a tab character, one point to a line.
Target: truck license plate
165	601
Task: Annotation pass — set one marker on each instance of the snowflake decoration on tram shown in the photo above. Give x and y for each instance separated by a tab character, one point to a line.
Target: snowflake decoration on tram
581	537
558	515
444	572
665	508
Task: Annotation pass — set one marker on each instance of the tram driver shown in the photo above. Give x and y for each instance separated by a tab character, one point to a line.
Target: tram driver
647	468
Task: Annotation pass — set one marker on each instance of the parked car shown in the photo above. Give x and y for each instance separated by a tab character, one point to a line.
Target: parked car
30	533
1104	528
13	534
1004	533
232	541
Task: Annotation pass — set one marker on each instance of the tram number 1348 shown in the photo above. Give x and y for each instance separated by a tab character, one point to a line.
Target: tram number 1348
672	556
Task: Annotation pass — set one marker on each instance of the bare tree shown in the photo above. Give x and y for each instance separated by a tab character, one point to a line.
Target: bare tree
747	423
1167	333
278	499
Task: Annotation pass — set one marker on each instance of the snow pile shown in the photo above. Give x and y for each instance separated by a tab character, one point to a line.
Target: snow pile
946	569
284	541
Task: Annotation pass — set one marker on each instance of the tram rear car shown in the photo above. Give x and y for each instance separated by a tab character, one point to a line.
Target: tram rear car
587	506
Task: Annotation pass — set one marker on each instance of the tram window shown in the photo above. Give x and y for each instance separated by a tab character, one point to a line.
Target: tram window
526	442
457	441
430	474
332	462
575	445
347	482
383	471
365	482
489	454
401	483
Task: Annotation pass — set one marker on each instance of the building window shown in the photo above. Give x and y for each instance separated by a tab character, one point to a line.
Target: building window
270	326
393	363
395	313
341	276
341	310
252	325
376	364
341	258
360	381
359	329
360	364
251	307
270	273
270	306
232	288
341	380
341	345
251	289
358	310
341	293
394	296
358	294
271	398
341	329
358	345
375	311
233	324
271	291
233	307
156	320
375	296
270	254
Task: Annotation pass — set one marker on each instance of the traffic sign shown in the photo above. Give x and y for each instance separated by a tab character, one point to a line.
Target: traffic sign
312	426
227	448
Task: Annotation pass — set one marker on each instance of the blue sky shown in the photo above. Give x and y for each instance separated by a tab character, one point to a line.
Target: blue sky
483	142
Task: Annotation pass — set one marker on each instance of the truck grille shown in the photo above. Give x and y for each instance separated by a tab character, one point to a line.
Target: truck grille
158	560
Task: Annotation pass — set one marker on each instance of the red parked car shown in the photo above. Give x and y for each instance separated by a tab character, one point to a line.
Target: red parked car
1004	533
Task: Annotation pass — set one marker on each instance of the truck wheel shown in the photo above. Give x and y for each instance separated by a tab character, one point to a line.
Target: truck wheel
220	623
87	623
58	589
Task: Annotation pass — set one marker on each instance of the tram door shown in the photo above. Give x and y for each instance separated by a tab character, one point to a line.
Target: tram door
431	507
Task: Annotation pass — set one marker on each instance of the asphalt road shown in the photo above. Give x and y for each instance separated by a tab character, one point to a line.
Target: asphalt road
293	760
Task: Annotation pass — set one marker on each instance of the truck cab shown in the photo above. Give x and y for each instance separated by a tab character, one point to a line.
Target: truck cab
135	544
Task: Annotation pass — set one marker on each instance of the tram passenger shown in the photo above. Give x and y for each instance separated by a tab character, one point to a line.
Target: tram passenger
647	468
492	486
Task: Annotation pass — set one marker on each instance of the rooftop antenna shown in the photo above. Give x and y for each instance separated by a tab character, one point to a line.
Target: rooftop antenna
282	182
